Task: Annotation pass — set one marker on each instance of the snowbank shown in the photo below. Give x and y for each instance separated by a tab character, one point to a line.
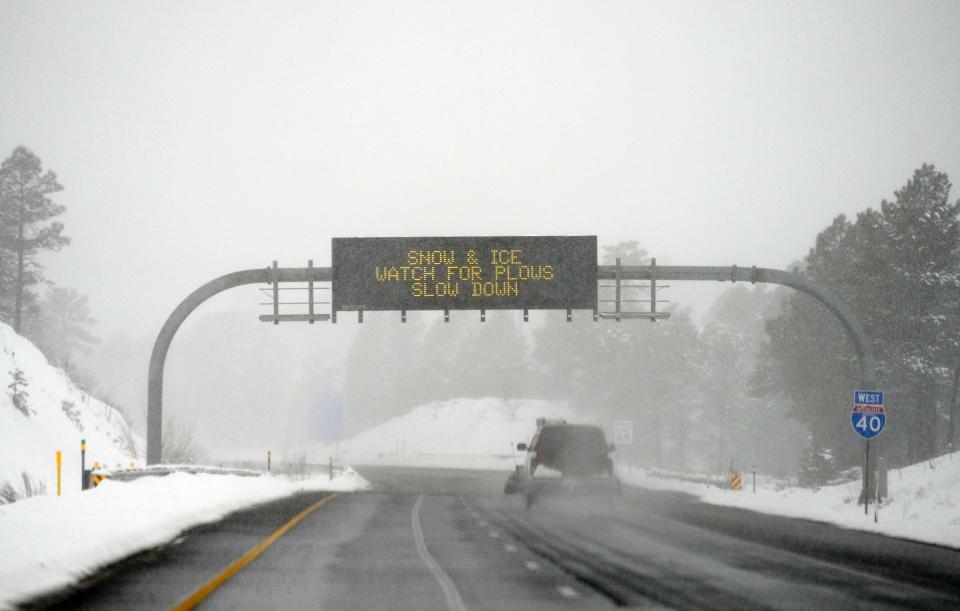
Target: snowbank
47	543
923	502
60	415
461	433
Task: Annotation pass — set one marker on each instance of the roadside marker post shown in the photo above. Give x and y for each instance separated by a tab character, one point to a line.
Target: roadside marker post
268	461
97	476
83	464
59	465
868	418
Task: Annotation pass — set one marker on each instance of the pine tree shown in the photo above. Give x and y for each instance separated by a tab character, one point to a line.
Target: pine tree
25	209
494	357
438	362
924	230
18	394
817	467
66	323
383	375
897	269
567	359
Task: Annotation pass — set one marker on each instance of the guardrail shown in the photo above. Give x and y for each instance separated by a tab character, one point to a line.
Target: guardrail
162	470
699	478
296	471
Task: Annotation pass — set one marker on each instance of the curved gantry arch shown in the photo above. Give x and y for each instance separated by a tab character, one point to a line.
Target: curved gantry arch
604	272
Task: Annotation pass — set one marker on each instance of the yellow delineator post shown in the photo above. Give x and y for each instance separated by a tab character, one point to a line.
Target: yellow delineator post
59	465
736	482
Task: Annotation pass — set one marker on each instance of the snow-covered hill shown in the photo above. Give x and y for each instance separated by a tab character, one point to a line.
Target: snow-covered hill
58	416
467	433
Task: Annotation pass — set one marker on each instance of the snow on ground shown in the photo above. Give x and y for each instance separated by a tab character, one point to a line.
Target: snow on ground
47	543
923	502
60	416
460	433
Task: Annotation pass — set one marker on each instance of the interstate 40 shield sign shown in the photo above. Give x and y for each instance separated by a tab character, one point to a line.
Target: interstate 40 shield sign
868	415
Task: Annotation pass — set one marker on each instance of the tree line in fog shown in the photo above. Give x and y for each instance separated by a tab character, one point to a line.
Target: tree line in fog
766	380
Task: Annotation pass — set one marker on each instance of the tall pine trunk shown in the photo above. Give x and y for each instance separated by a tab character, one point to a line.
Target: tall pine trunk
19	288
926	429
952	430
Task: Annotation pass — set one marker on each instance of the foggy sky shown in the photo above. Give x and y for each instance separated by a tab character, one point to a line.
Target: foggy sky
197	138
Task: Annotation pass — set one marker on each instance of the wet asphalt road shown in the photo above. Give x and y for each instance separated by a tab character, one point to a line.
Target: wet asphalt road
449	539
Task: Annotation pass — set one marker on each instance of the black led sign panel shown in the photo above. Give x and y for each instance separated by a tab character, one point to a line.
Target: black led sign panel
465	273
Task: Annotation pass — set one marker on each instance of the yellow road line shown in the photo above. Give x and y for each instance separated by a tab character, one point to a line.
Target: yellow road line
197	597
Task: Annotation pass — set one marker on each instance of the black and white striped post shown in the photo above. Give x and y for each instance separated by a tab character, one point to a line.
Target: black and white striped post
84	478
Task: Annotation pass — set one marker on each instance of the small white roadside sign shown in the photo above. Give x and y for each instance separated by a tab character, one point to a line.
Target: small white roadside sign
622	432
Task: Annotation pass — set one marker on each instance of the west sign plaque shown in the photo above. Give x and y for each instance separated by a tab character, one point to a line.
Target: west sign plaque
465	273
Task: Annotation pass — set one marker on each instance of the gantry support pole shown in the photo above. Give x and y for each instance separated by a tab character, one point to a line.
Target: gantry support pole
159	356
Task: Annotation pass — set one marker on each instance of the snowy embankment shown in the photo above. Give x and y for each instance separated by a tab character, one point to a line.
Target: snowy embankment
53	415
923	502
48	543
460	433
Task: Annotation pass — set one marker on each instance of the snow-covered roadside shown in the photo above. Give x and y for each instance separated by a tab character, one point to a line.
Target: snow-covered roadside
47	543
923	502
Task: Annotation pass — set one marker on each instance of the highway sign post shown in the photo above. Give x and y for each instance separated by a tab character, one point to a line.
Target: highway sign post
868	417
623	436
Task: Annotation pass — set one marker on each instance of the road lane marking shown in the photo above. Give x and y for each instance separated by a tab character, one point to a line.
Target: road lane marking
482	522
568	592
450	593
510	547
532	565
197	597
494	534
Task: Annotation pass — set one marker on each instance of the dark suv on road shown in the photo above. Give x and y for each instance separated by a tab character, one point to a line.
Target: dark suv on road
569	460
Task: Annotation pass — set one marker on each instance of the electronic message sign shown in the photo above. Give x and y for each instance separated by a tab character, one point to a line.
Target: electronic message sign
465	273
